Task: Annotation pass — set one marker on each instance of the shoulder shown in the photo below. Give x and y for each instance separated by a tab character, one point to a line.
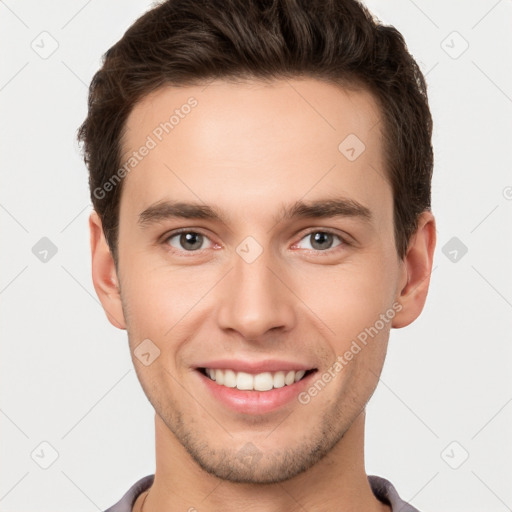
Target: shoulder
385	491
125	504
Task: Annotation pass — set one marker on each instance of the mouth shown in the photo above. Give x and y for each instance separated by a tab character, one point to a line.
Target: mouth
251	387
264	381
254	394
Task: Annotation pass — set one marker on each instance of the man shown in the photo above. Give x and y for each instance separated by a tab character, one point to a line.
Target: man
227	141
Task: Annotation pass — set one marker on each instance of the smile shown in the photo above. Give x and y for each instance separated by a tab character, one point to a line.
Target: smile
264	381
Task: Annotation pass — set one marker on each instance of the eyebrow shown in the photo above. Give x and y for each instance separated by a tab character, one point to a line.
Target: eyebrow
320	208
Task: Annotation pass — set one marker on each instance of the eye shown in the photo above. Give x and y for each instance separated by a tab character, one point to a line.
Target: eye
190	241
193	241
321	240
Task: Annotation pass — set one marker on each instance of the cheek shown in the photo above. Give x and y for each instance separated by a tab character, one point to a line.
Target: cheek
351	303
160	297
347	299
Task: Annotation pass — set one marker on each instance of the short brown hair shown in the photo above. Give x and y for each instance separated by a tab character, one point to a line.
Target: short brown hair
188	42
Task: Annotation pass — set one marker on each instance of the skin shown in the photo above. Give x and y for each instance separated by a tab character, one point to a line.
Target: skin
248	149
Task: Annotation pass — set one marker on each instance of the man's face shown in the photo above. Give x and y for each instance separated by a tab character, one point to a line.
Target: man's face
254	290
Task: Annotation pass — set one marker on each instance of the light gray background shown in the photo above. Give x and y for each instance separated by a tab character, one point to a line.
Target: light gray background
66	374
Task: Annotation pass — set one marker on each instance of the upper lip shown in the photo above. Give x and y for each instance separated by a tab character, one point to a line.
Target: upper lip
255	367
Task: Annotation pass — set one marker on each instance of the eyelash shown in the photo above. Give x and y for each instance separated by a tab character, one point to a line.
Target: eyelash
343	241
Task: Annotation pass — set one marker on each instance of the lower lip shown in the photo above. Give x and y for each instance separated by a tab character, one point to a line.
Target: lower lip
255	402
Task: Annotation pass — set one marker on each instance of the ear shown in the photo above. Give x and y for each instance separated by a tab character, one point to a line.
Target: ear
104	274
416	270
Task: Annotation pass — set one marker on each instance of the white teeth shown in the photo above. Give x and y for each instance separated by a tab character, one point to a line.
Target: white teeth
261	382
299	375
278	379
290	378
243	380
230	379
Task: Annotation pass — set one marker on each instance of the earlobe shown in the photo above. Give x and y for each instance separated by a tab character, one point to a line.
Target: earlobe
417	267
104	274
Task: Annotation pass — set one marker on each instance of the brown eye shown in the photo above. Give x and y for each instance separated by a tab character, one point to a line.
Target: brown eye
187	240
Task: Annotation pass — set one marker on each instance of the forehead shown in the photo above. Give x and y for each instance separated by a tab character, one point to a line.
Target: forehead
242	142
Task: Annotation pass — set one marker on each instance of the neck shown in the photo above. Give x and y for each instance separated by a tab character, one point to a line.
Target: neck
336	482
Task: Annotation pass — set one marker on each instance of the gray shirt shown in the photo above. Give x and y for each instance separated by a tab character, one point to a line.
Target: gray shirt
382	488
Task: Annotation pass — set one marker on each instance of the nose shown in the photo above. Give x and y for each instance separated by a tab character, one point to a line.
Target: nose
255	298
